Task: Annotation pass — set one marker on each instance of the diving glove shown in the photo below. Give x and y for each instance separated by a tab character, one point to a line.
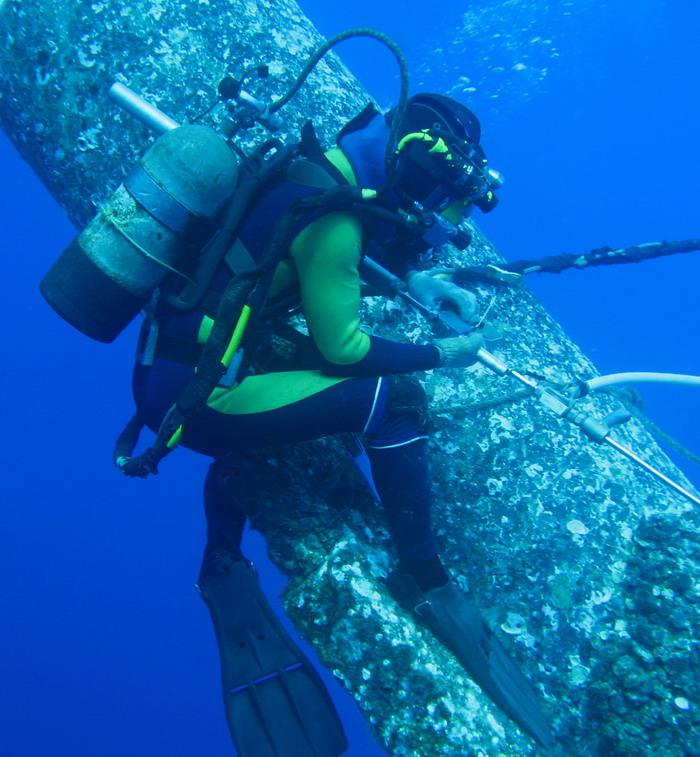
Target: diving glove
459	351
435	293
454	620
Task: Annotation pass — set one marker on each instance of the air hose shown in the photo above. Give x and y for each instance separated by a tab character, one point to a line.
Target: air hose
321	51
596	430
615	379
604	383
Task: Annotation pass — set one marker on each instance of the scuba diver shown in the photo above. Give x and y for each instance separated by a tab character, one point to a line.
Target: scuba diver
302	229
218	255
341	380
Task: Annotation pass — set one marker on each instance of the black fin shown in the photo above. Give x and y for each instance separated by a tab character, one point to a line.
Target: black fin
454	620
276	704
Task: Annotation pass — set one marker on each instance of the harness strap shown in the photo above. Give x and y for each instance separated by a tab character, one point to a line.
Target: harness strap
239	259
312	149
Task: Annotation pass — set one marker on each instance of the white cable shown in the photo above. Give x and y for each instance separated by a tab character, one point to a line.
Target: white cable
641	378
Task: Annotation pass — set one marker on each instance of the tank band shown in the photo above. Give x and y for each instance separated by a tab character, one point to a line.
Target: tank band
160	204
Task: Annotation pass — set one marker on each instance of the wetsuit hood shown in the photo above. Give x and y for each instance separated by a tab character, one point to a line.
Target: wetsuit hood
364	140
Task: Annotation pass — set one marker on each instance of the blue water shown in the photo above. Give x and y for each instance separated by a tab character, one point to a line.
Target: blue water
590	109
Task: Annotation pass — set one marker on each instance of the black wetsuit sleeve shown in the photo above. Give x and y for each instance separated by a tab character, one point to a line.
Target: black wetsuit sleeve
385	357
326	255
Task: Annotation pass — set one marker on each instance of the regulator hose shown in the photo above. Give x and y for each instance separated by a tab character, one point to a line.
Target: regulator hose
321	51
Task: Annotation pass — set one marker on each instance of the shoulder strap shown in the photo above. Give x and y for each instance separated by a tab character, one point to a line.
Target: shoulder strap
361	120
308	173
312	149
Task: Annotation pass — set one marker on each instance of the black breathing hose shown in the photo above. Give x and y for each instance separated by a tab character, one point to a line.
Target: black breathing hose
403	72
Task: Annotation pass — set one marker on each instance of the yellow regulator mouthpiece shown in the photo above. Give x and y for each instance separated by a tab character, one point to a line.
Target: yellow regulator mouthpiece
420	136
439	146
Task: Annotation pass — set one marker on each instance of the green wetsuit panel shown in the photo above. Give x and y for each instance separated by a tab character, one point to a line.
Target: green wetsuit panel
324	259
269	391
327	254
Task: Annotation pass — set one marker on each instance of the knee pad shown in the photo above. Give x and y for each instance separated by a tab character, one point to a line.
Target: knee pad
406	395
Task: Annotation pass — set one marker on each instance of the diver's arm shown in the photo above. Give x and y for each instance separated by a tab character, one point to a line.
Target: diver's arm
327	254
435	290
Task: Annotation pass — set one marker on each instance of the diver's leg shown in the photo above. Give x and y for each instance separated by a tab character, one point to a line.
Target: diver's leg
391	411
398	455
276	705
225	517
401	475
397	447
252	415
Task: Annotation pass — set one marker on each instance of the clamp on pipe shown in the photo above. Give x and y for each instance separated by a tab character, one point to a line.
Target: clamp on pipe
597	430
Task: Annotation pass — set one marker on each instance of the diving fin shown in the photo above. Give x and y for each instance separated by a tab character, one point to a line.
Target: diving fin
453	619
276	704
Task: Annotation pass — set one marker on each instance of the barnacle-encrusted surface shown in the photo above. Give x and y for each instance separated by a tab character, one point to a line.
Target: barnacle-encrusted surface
585	564
59	60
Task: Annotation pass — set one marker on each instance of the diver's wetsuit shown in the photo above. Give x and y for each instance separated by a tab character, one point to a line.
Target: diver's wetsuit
351	392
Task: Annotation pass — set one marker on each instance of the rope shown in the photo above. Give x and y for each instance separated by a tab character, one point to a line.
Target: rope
633	402
630	399
603	256
486	404
511	273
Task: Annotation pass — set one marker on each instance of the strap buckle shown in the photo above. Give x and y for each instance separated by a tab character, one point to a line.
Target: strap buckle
228	380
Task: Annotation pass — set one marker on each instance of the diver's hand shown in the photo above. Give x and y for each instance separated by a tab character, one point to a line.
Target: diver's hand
459	351
434	293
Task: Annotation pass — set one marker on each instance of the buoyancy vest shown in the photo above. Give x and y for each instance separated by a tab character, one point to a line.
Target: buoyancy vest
179	337
171	342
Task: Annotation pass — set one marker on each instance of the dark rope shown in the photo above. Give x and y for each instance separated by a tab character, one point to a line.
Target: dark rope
604	256
510	273
486	404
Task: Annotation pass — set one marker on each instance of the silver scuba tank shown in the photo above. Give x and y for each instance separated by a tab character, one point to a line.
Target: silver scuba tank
153	226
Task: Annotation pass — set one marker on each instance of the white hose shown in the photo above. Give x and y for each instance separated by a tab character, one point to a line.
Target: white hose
641	378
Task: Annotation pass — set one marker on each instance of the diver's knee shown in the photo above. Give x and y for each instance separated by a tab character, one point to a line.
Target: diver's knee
407	396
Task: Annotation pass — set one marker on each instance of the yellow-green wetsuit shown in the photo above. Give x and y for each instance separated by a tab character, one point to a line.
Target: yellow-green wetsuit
350	391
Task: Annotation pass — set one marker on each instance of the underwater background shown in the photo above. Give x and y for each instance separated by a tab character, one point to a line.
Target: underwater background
590	110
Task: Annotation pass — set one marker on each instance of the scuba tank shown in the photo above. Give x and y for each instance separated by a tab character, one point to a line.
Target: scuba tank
152	227
163	219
